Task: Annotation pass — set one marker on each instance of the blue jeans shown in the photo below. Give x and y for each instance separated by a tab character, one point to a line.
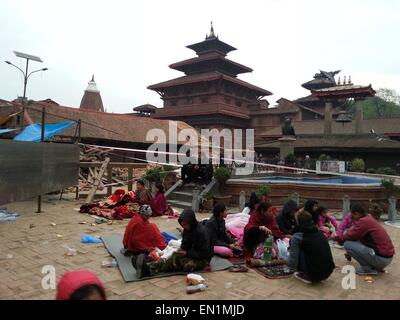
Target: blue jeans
366	257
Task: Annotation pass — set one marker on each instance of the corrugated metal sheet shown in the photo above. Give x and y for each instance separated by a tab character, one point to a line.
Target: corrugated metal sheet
30	169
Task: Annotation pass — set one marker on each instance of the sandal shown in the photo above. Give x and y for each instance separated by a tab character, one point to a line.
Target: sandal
238	268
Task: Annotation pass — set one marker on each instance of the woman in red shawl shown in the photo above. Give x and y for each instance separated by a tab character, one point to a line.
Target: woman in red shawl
80	285
159	203
262	223
141	236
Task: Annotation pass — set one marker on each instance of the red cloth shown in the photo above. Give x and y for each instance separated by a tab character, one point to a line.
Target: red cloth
159	204
257	219
122	212
140	235
72	281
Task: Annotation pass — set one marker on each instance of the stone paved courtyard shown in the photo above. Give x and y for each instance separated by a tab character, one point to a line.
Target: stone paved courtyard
31	242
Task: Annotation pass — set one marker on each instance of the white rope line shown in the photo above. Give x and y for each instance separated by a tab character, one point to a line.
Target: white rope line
231	160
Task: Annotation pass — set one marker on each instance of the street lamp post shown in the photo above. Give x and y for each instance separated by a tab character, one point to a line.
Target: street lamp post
25	73
26	77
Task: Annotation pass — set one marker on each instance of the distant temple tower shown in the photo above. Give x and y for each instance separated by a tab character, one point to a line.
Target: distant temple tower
92	99
209	94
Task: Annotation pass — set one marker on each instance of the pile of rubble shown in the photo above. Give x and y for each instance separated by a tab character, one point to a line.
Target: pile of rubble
88	175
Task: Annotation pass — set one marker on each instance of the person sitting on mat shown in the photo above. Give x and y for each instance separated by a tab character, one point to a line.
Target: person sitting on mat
367	242
326	223
261	224
285	219
251	205
141	235
311	206
159	204
221	241
80	285
194	254
309	254
142	195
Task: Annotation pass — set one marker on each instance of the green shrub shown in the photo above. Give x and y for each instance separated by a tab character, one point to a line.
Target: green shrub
167	168
222	174
390	187
208	195
324	157
371	170
358	165
290	158
263	190
386	171
154	175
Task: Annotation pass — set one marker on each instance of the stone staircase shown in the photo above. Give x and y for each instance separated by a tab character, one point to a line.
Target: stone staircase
182	196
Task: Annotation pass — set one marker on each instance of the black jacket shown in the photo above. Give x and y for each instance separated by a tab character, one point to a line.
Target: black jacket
196	241
308	206
314	246
217	232
285	222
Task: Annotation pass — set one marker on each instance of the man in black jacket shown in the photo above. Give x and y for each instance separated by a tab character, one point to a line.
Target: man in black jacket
310	253
194	254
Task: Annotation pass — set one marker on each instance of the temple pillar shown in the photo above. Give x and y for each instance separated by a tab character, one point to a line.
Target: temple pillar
328	117
242	200
286	146
359	116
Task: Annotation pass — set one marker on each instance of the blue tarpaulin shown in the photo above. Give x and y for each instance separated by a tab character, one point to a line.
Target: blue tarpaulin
33	132
6	130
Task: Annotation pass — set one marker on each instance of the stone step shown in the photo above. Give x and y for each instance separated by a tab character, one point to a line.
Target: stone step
183	193
180	204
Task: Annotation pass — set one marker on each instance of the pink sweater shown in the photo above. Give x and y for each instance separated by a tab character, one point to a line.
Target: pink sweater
327	219
344	225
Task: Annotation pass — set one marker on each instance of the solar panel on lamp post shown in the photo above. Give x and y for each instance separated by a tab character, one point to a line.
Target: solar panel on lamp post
25	73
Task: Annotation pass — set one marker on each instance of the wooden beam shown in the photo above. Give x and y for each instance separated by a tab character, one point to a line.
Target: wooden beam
130	177
113	165
109	180
97	181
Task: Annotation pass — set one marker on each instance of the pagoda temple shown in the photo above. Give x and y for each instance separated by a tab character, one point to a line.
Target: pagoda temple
210	95
91	98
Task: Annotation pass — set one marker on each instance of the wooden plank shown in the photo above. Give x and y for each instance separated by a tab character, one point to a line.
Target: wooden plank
130	177
109	180
97	181
113	165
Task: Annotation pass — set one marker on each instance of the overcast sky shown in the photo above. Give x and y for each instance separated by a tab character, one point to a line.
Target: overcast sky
128	45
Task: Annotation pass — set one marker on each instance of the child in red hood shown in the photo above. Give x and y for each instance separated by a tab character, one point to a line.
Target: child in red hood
80	285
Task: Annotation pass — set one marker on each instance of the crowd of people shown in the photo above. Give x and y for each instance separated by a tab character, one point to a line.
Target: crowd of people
197	173
124	204
306	231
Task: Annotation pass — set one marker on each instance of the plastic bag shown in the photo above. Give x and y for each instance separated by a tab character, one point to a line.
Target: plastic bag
90	239
195	279
283	252
109	263
69	251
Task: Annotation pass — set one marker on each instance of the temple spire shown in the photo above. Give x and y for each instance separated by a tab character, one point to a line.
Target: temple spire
212	34
93	78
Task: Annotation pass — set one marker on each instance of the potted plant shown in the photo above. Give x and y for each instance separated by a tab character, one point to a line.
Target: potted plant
264	190
153	176
390	188
358	165
222	174
208	201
